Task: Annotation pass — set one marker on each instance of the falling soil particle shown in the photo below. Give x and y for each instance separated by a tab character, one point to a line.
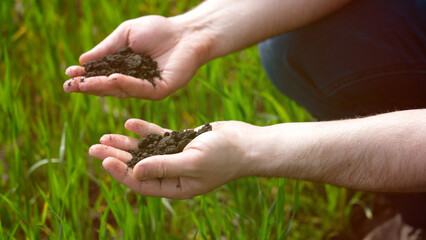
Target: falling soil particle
125	62
171	142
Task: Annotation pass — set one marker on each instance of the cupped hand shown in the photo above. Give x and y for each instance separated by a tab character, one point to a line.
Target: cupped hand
177	51
207	162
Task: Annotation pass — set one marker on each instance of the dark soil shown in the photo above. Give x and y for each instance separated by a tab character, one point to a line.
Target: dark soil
125	62
170	143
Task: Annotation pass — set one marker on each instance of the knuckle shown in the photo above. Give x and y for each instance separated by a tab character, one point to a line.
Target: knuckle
126	24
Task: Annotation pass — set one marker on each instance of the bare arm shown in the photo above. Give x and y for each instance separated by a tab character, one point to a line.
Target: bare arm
183	43
229	26
385	152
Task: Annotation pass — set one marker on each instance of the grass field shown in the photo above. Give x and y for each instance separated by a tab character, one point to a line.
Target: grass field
51	188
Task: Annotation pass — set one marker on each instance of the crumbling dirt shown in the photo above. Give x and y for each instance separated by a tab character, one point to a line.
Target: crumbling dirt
170	143
125	62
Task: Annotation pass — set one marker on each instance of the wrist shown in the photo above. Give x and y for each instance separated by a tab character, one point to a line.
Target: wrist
279	150
262	151
197	36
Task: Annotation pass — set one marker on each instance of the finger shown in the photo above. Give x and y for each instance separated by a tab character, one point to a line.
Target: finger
72	85
141	88
116	40
170	188
75	71
143	128
105	86
103	151
100	86
119	141
167	166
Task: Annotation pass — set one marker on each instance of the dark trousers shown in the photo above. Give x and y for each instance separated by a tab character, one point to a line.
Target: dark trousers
367	58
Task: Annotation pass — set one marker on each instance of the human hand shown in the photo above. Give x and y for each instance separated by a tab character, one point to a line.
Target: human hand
177	50
207	162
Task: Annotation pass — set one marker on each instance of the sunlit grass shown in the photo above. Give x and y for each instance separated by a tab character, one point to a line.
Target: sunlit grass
51	188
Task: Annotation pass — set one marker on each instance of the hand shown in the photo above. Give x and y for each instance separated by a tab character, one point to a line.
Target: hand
207	162
177	50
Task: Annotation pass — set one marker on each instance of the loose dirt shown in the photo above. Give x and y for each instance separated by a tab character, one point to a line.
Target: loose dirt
125	62
170	143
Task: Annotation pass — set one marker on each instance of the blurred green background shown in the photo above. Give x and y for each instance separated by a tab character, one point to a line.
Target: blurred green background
51	189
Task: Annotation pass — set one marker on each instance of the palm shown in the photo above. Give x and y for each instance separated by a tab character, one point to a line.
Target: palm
209	161
160	38
156	36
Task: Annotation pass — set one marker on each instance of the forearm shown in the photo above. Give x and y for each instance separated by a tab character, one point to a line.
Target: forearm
381	153
227	26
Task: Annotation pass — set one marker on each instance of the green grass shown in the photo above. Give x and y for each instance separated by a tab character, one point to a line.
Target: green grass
51	188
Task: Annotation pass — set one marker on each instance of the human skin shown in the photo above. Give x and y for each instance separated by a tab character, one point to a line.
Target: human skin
384	152
379	153
183	43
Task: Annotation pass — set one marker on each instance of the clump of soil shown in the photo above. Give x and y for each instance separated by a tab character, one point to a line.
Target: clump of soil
125	62
170	143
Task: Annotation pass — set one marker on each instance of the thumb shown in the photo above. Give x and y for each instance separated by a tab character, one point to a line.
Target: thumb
166	166
116	40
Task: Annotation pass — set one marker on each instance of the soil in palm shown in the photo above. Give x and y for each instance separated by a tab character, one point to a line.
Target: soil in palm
126	62
169	143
